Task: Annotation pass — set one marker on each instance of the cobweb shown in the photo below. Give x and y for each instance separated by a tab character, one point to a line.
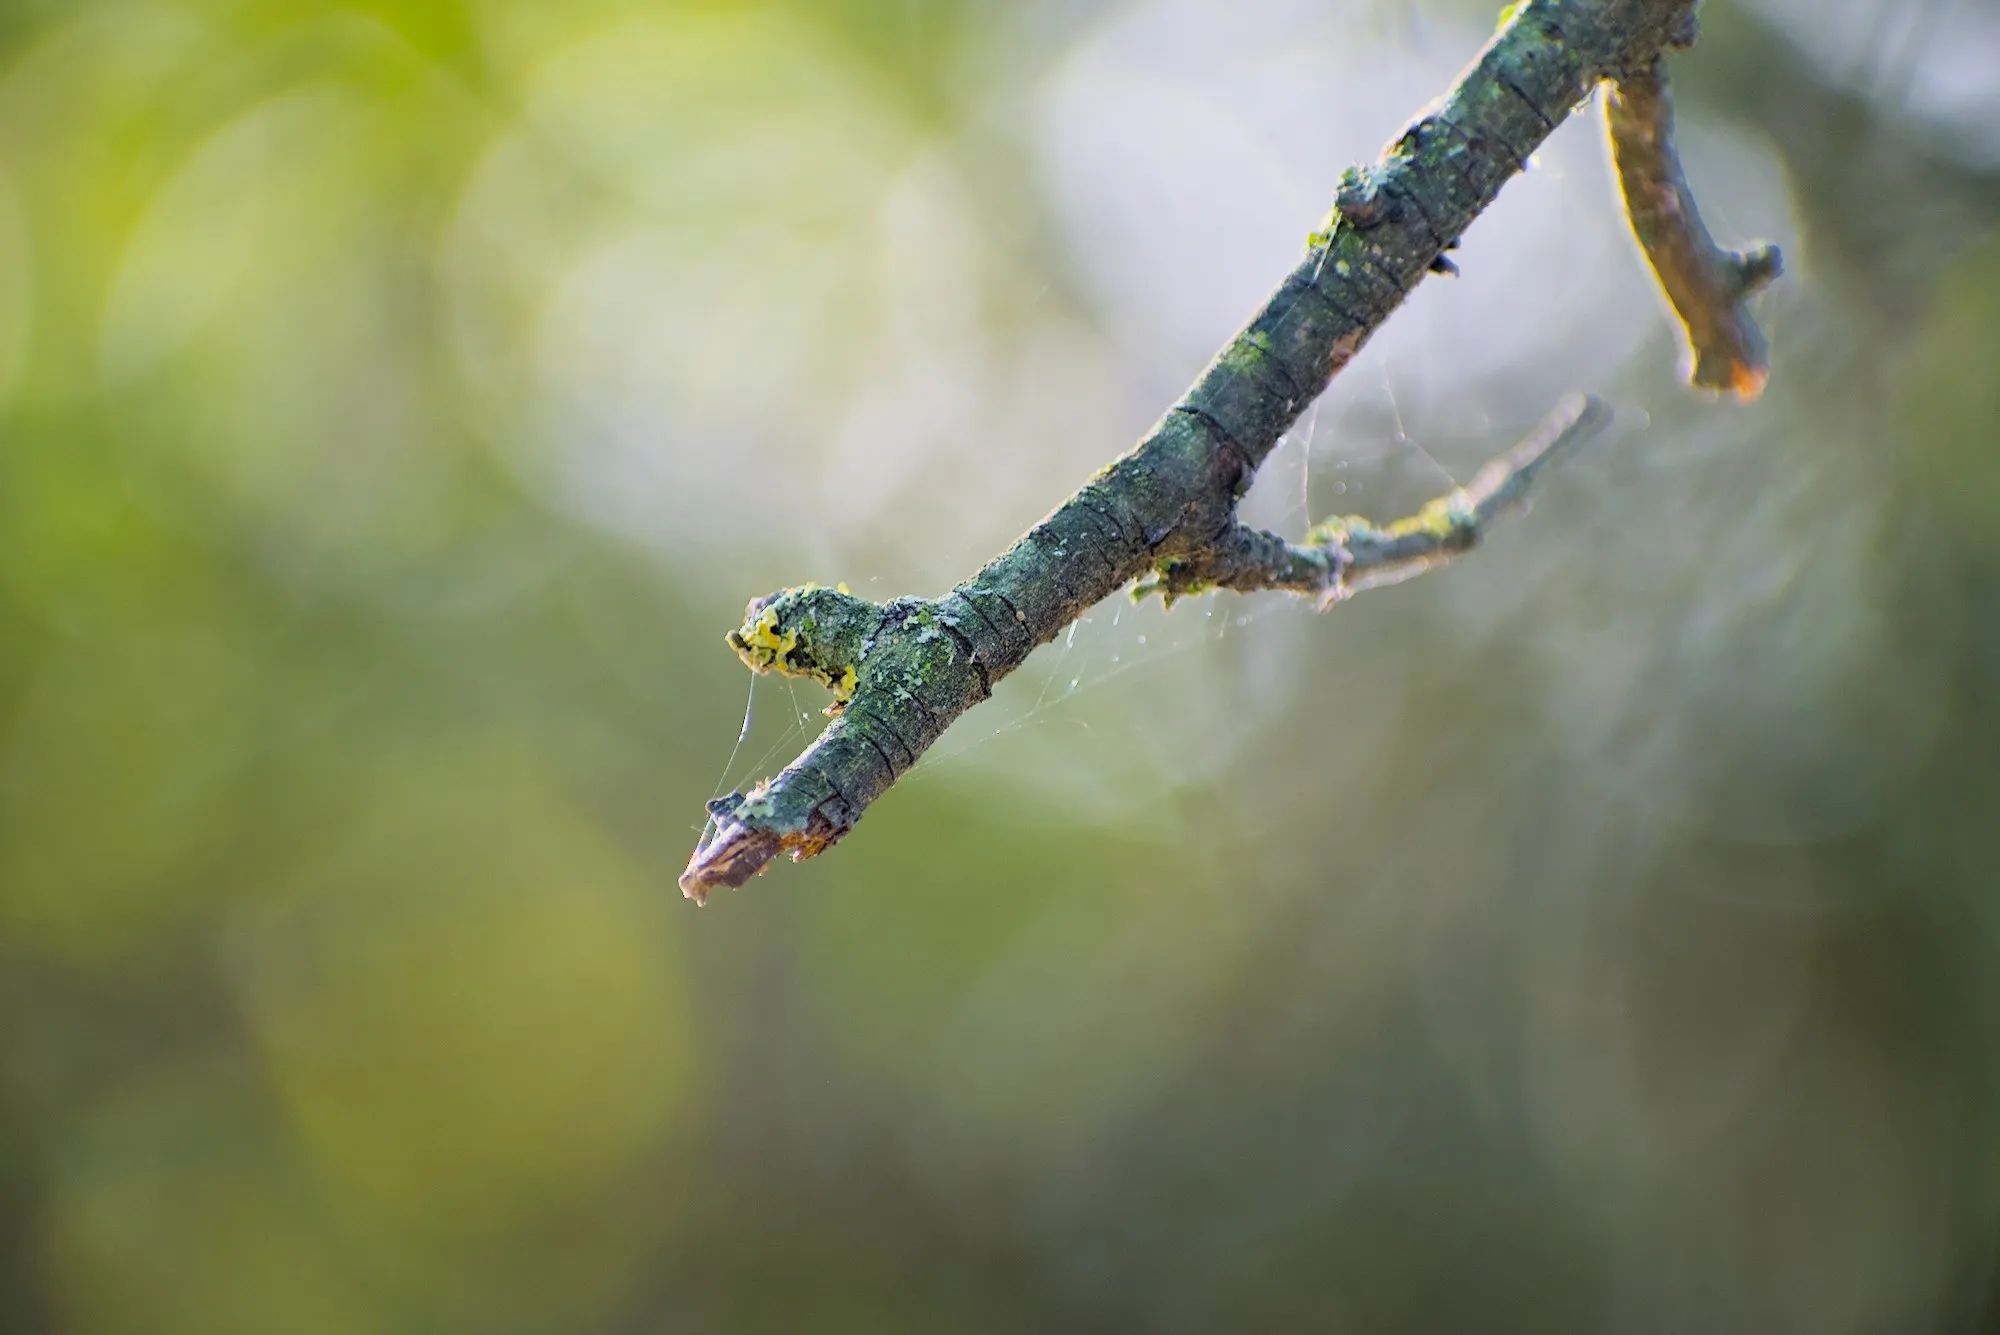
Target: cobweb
1134	695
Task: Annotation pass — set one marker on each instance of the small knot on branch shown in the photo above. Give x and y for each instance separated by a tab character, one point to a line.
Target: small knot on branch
811	631
1360	200
1751	270
1173	579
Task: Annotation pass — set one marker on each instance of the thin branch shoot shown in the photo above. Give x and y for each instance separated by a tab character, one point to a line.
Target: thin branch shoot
1707	286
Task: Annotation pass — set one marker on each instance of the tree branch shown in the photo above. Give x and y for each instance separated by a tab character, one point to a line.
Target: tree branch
904	670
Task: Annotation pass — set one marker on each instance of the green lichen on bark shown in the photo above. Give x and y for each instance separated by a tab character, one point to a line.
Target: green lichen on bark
1166	510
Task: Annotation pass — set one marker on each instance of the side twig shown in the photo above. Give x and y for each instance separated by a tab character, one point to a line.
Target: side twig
1165	513
1707	286
1342	557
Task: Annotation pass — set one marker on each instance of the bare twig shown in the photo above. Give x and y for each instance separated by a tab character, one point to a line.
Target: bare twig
1707	286
1342	557
903	671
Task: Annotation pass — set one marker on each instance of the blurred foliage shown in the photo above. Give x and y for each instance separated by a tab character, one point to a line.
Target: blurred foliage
398	398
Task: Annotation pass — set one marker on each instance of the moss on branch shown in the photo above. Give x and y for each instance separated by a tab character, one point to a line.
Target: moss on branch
902	671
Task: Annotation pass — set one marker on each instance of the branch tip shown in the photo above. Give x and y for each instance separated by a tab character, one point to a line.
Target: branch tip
729	854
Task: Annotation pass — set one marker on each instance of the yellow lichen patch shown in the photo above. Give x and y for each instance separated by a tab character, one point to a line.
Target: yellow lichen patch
843	690
762	643
798	633
1322	235
1342	529
1441	519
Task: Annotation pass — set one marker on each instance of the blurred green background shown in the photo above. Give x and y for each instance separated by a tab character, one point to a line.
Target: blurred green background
399	400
